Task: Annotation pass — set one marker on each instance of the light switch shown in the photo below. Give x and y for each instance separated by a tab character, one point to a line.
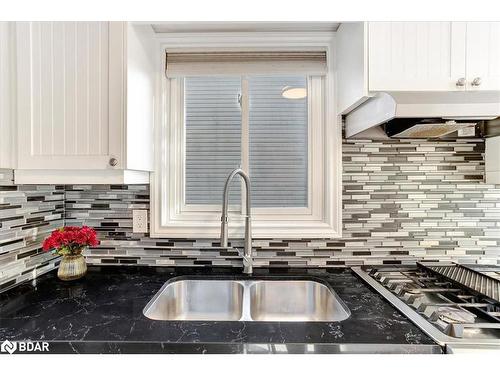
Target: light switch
140	221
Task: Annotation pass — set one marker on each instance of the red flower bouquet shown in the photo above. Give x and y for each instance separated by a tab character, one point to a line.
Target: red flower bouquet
70	240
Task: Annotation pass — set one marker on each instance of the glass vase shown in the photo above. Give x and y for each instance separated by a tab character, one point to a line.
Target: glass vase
72	267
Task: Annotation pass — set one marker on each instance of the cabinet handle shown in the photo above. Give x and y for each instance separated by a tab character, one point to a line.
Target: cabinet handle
113	162
461	82
476	81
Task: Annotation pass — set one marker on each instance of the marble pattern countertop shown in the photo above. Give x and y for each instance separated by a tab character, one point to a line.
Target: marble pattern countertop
102	313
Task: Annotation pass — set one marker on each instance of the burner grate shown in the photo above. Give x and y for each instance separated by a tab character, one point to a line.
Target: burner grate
473	280
457	310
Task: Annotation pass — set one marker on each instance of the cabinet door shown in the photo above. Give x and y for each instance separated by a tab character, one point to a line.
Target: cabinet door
483	56
416	56
70	107
6	81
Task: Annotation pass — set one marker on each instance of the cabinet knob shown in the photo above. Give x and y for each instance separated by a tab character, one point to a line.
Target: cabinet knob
476	81
461	82
113	162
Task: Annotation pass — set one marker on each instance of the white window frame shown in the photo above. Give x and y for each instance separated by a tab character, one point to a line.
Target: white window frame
170	217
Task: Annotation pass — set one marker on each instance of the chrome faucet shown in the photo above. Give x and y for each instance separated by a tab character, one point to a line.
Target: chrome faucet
247	253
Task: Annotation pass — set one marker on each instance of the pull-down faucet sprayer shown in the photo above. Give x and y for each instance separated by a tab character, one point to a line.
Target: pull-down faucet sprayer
247	253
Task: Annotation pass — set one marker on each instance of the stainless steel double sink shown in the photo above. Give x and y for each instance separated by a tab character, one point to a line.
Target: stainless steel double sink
278	300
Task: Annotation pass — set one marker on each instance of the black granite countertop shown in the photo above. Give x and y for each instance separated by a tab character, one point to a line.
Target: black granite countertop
103	313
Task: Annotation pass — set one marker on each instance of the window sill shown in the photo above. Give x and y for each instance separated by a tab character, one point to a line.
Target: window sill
260	229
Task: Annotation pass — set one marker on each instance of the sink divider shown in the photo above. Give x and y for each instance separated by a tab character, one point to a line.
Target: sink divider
246	301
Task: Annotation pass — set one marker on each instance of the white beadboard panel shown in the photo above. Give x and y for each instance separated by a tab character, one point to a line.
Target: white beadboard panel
70	88
64	95
278	140
6	96
98	87
483	55
47	106
83	102
58	82
213	137
416	56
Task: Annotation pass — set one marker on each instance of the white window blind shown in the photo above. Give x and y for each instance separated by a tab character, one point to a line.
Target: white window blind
183	64
213	137
278	142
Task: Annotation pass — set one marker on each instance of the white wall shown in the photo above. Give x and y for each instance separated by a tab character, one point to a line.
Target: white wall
142	68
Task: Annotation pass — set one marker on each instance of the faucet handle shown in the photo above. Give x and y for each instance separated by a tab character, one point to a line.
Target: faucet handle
223	231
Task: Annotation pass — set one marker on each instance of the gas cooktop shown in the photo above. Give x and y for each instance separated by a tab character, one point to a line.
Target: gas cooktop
457	305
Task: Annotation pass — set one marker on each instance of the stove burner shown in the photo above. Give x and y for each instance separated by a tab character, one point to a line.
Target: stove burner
412	289
455	315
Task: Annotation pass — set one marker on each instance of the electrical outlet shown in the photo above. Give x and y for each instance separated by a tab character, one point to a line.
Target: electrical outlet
140	221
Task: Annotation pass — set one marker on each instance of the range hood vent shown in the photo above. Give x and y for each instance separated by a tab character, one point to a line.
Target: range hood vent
427	128
422	114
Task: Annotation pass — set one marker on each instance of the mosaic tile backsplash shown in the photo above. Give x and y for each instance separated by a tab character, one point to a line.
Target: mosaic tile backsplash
27	214
403	201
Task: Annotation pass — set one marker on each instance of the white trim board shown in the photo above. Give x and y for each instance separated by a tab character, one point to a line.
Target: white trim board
87	177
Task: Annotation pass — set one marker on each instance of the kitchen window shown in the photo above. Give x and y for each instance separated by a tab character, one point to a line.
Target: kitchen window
265	112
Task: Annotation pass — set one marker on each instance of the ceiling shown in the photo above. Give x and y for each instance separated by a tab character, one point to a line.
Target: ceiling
197	27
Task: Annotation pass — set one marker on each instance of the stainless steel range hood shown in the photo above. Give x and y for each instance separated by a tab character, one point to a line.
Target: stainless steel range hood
421	114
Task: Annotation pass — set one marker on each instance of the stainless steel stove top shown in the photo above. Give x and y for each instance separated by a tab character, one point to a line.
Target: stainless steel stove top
454	304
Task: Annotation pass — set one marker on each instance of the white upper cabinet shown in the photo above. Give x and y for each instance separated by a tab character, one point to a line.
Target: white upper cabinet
434	56
68	82
417	56
483	56
425	57
72	110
